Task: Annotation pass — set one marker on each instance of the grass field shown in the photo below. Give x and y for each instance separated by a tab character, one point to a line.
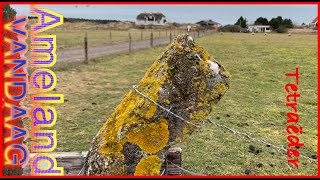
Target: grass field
68	39
255	102
71	35
72	39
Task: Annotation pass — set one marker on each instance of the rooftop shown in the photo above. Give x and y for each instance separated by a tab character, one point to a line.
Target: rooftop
144	15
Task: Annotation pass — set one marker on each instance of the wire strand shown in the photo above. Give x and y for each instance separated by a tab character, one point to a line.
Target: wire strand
235	132
165	109
185	170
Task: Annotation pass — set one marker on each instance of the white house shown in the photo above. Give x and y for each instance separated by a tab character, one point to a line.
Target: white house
314	23
151	19
259	28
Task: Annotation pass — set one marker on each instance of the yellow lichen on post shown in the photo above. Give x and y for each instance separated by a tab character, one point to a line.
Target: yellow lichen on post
219	89
152	137
149	166
122	117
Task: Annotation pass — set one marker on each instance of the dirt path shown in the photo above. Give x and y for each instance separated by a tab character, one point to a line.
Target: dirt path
104	50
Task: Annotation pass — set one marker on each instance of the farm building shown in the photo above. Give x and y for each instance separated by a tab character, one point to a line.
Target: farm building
209	23
151	19
259	28
314	23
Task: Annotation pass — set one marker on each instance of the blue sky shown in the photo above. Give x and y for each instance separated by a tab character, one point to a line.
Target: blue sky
224	14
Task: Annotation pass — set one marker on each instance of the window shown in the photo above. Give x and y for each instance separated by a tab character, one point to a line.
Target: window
150	18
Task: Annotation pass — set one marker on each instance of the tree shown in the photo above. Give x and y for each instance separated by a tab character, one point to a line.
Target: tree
276	22
242	22
287	23
280	25
8	13
261	21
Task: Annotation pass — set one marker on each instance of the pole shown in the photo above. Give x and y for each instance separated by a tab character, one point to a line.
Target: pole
151	39
86	60
129	42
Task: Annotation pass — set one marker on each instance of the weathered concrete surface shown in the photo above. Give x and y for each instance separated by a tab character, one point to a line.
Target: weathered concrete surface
135	138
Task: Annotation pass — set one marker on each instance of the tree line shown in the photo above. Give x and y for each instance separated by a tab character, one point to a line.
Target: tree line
277	24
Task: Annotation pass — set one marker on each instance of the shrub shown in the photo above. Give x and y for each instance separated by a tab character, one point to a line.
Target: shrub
230	28
281	29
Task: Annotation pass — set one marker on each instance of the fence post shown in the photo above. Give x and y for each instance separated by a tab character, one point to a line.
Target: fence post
141	35
110	35
170	37
151	39
198	33
86	60
166	33
129	42
159	33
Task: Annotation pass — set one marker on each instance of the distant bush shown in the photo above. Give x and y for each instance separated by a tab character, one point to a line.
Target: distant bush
230	28
281	29
176	24
74	20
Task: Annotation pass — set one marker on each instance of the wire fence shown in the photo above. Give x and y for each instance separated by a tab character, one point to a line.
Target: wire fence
233	131
68	39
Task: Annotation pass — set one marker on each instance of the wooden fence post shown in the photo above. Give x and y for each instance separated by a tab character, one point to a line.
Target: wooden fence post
198	33
151	39
141	35
172	160
129	42
170	37
74	161
110	36
86	60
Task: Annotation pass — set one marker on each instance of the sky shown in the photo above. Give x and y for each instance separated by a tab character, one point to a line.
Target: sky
224	14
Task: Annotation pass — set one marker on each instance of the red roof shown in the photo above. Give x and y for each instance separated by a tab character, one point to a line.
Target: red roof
315	21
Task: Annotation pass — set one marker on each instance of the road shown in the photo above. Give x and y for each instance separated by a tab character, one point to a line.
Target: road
105	50
111	49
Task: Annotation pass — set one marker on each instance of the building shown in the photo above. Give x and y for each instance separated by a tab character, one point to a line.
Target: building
259	28
314	23
209	23
151	19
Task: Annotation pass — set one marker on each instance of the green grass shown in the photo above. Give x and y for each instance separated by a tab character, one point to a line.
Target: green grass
255	102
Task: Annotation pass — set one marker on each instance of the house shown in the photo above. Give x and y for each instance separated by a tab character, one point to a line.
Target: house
259	28
151	19
209	23
314	23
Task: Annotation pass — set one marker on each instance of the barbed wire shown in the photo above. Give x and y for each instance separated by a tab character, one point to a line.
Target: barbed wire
185	170
235	132
134	87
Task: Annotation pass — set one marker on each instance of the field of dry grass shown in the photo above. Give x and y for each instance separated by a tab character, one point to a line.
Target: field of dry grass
302	31
71	35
